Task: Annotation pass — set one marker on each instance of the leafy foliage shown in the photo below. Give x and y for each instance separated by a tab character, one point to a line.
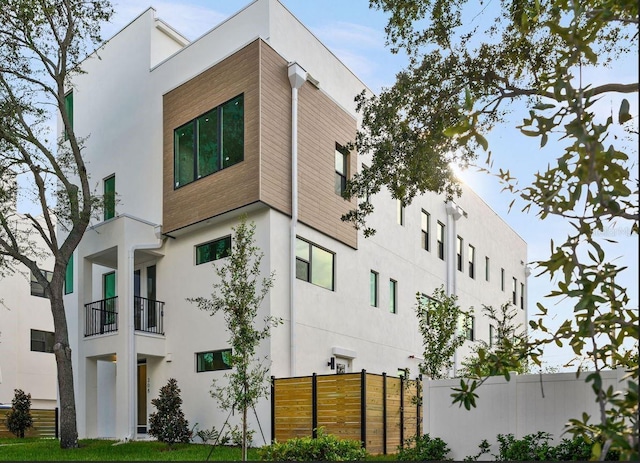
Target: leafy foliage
19	417
462	80
423	448
239	295
504	353
326	447
439	324
168	423
42	46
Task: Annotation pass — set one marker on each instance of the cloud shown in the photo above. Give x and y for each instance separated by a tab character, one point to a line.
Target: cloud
354	35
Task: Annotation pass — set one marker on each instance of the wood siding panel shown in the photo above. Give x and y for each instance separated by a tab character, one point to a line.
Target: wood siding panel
234	186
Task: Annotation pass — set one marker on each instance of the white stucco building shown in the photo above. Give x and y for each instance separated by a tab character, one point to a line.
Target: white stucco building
190	136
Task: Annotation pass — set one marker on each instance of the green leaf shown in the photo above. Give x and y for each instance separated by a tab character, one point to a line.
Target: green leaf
482	141
623	114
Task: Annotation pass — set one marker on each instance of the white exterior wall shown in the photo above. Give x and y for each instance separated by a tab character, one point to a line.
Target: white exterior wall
118	105
525	405
20	368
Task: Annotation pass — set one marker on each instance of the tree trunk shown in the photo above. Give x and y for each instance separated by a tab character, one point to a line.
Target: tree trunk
244	433
62	351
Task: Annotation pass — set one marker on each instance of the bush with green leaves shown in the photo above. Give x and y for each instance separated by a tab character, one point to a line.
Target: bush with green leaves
326	447
19	417
423	448
168	424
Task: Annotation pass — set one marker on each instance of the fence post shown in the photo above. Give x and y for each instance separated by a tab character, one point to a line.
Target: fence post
384	413
56	416
402	411
273	409
314	405
363	408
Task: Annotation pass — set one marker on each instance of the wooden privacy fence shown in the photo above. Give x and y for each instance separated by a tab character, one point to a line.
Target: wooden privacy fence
45	423
378	410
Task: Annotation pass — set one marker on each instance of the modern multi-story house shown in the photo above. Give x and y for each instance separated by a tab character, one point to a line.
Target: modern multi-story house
27	361
250	119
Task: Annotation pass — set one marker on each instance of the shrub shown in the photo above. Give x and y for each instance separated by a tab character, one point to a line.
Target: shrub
19	417
423	448
325	447
168	424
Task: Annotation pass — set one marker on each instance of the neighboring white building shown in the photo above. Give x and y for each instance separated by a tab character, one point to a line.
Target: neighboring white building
27	361
191	136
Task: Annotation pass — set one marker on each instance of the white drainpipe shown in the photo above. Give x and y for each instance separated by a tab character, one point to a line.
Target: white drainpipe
297	77
454	212
133	355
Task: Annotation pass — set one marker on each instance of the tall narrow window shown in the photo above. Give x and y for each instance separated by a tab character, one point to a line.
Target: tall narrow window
471	328
440	237
109	197
459	247
399	212
491	335
314	264
393	296
426	226
502	279
68	105
514	287
68	277
522	295
373	289
487	268
341	158
209	143
472	261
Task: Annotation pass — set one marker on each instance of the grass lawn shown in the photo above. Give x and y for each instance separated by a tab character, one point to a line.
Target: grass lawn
34	449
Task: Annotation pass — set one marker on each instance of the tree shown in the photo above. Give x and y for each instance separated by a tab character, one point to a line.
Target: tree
19	417
505	345
168	423
460	82
239	295
439	323
42	45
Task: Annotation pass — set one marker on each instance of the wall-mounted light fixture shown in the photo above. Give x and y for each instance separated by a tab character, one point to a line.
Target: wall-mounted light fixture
332	363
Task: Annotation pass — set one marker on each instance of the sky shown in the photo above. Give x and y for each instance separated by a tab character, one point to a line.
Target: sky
355	34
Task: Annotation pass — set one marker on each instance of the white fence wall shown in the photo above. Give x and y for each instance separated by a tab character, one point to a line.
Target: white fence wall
524	405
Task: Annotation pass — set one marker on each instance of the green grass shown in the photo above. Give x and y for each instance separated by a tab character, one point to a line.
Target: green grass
104	450
35	449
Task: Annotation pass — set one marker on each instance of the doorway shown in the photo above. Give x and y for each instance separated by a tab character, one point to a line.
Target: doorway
142	397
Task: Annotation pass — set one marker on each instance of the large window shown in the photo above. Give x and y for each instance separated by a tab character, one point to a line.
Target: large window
109	197
68	105
425	220
341	160
213	360
68	277
42	341
373	289
472	261
209	143
393	296
459	247
314	264
36	288
213	250
440	237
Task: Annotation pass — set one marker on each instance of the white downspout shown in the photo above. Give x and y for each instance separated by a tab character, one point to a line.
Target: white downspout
297	77
454	212
133	355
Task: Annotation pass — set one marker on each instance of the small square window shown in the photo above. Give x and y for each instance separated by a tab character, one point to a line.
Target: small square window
42	341
314	264
36	288
213	360
213	250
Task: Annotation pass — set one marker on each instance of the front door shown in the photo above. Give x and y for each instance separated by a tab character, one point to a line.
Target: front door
108	315
142	398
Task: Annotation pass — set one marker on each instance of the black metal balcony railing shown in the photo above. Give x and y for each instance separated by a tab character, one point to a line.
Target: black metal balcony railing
101	317
148	315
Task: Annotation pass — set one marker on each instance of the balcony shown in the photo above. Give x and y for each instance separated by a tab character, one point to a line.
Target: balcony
101	317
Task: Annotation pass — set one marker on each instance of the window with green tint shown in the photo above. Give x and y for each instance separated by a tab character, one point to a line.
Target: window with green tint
340	161
373	289
68	277
213	360
68	105
209	143
213	250
110	197
393	296
314	264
